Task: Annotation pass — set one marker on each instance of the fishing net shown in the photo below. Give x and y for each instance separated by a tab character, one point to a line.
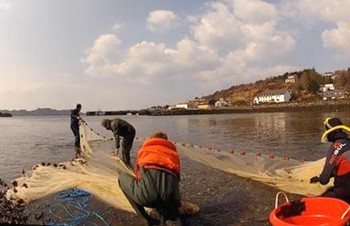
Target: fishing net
98	171
280	172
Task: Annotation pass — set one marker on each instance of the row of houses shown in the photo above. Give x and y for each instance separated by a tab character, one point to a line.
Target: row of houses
292	78
327	92
200	103
285	96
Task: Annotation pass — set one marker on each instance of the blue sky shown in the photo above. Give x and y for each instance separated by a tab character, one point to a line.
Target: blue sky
133	54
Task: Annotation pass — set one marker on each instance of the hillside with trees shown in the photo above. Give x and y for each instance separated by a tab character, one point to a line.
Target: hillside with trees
304	89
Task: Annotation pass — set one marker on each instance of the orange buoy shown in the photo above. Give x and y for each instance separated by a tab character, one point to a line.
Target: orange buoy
311	211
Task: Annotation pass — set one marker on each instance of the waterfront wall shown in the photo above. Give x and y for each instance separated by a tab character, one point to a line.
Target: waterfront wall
321	106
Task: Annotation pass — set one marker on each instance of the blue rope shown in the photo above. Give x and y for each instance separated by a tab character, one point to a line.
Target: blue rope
74	203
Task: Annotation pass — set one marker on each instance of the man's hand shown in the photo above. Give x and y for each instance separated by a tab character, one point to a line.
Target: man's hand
314	180
116	151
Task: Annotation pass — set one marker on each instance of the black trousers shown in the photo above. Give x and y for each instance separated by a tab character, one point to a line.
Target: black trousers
75	130
126	147
338	192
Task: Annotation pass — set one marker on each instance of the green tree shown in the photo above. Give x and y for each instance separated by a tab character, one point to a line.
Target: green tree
313	86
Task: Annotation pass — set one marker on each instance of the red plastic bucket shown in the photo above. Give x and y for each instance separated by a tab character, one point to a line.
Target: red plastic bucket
310	211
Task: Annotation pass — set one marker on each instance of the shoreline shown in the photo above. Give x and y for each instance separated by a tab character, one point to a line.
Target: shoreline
324	106
320	106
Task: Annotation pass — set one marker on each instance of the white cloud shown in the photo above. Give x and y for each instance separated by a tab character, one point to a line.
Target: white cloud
5	5
191	56
253	11
331	16
215	53
338	38
162	20
104	47
116	27
307	11
147	61
243	32
211	29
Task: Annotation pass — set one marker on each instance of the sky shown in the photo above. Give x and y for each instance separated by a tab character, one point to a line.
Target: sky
134	54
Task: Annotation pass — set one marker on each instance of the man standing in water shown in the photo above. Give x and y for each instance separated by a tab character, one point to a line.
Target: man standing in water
74	125
337	162
122	128
156	181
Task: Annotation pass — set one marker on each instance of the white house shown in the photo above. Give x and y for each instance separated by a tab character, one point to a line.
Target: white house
179	106
221	103
327	87
290	79
273	96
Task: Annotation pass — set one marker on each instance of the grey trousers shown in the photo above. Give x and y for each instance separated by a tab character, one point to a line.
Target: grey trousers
156	189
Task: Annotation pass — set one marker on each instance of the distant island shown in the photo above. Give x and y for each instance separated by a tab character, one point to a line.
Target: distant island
37	112
5	114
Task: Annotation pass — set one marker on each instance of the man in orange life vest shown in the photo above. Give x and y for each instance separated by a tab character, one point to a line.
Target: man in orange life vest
337	163
156	181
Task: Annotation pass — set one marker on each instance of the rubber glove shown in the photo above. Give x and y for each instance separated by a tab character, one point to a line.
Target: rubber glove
314	180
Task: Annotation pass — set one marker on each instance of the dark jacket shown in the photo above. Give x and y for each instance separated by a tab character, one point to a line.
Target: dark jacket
74	118
337	163
120	127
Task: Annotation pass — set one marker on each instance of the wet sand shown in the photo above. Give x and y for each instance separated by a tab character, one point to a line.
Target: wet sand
224	199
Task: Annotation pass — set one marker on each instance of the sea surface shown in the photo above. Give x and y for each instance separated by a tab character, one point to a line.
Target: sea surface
26	141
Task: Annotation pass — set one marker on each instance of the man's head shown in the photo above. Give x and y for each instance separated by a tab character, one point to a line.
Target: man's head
332	122
78	107
332	127
159	135
106	123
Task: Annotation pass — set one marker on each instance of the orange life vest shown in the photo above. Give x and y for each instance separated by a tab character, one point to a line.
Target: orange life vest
159	154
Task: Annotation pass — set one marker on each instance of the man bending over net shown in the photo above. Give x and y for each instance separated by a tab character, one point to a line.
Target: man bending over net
156	184
122	128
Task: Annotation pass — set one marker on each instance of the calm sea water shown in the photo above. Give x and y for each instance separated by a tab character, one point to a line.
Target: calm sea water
26	141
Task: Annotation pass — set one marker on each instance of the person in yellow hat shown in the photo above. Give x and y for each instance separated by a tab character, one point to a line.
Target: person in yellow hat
337	162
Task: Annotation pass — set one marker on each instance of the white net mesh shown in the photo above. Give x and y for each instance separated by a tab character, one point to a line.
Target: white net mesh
285	174
99	170
96	173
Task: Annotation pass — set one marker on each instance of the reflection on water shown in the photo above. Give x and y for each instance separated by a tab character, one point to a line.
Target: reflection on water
26	141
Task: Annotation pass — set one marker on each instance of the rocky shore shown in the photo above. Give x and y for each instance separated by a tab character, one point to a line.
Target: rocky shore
323	106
